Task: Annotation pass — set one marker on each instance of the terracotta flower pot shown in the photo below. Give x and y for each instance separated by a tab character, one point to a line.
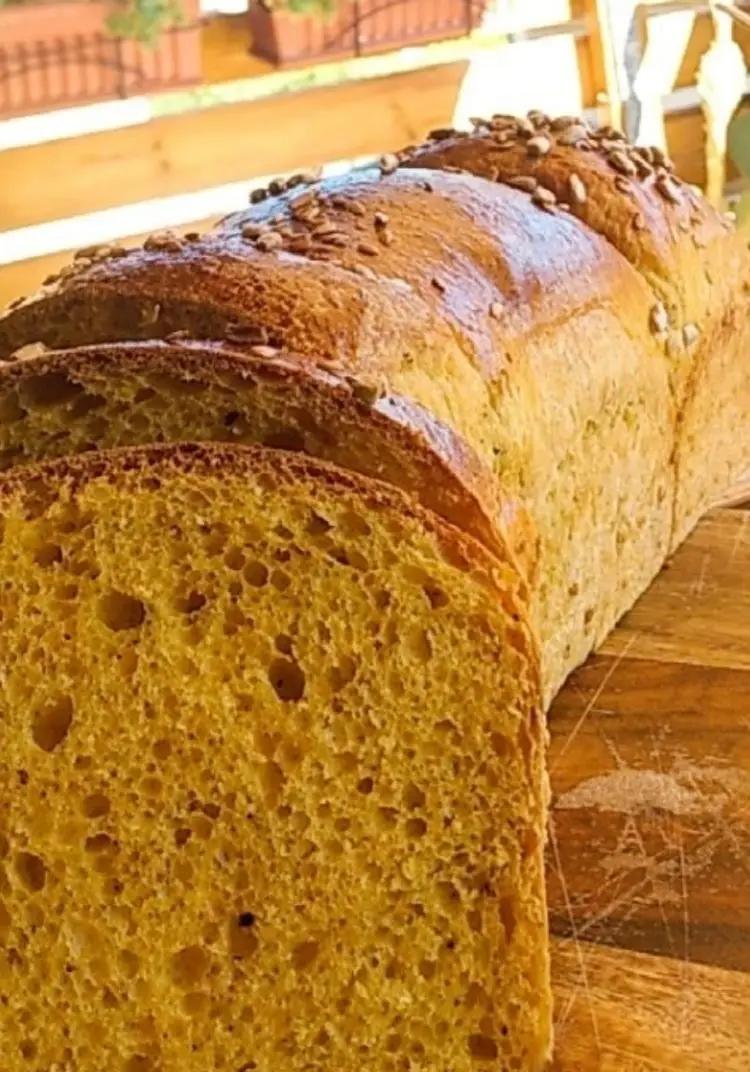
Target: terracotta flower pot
356	27
58	53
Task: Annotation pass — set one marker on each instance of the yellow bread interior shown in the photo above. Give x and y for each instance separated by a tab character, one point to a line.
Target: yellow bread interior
271	791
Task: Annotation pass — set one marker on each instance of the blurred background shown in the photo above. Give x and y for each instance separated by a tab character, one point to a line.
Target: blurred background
118	117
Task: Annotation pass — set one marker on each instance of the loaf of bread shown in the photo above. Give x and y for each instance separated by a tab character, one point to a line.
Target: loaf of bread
270	705
556	298
271	752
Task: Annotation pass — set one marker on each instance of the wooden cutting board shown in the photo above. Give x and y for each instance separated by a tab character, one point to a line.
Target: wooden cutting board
649	855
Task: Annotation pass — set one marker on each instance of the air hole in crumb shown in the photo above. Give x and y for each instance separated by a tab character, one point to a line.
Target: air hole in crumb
129	962
482	1047
95	806
234	559
283	643
27	1050
353	524
87	403
138	1063
280	580
365	786
448	894
304	954
189	965
10	410
49	389
52	723
436	596
507	909
120	611
419	644
245	919
500	744
191	603
285	439
287	679
529	843
341	675
48	554
474	919
387	817
31	871
162	748
416	828
100	843
243	941
318	525
413	796
272	780
182	835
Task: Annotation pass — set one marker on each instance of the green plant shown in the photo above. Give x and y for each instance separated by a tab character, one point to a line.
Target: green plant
303	7
739	151
140	20
143	20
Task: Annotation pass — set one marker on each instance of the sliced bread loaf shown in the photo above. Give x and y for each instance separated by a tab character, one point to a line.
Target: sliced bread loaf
522	330
271	768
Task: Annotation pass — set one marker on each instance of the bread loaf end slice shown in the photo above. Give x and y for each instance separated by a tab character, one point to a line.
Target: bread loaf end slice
271	789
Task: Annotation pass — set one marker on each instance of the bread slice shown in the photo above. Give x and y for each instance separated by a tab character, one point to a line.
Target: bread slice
66	402
271	790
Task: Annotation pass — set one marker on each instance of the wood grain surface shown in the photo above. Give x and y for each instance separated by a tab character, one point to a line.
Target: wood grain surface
649	854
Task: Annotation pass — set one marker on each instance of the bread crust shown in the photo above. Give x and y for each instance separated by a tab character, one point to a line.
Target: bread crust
387	437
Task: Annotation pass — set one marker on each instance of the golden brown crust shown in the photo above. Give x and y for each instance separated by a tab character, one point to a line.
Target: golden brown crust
464	264
386	437
628	194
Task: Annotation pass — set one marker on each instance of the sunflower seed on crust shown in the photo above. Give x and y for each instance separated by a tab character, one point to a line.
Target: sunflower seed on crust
527	183
572	135
544	198
669	191
577	189
388	163
658	319
621	162
268	241
496	310
265	351
538	146
690	335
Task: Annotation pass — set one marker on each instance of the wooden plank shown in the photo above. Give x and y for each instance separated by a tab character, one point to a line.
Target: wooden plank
626	1012
651	812
228	143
